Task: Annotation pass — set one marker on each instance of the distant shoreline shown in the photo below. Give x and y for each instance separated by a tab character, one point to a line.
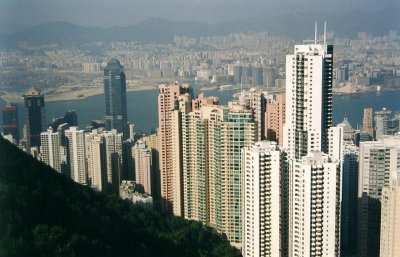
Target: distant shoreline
82	94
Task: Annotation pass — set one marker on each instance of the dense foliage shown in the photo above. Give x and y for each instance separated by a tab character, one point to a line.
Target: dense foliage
43	213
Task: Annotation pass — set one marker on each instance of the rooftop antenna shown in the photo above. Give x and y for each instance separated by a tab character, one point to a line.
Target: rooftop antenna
315	38
325	33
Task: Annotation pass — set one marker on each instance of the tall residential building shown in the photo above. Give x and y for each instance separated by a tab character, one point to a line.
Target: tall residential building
275	118
390	220
96	161
104	157
201	162
75	145
264	200
143	170
35	120
50	143
237	131
314	203
10	121
256	101
152	142
113	154
308	99
314	149
170	100
379	163
115	94
348	231
367	126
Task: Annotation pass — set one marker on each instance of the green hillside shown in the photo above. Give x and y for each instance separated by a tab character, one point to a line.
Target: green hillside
43	213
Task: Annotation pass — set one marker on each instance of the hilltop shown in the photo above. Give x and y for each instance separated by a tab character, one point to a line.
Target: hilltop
43	213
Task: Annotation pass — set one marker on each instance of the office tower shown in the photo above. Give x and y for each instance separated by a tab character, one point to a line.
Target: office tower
76	159
348	235
115	93
379	163
35	120
96	161
264	200
255	101
50	143
367	127
237	131
308	99
390	220
10	121
275	118
170	99
314	202
143	175
69	118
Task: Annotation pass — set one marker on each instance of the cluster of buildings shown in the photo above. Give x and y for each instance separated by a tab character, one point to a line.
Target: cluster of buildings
269	170
362	64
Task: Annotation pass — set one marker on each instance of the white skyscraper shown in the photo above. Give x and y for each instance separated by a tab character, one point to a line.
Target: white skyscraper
308	99
264	216
50	149
76	154
314	206
314	150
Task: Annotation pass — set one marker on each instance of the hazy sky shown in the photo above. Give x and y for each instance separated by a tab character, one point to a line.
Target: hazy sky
18	14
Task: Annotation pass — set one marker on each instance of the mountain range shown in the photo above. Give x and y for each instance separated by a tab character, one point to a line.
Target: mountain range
299	25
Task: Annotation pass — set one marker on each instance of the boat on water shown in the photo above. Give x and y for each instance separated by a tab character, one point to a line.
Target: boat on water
227	87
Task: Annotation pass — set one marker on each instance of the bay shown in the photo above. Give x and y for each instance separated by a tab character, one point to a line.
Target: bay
142	107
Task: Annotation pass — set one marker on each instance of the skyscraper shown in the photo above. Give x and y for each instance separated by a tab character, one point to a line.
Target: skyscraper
35	120
173	99
10	121
264	201
50	143
313	206
308	99
143	171
314	150
378	165
275	118
348	236
237	131
76	158
115	94
95	155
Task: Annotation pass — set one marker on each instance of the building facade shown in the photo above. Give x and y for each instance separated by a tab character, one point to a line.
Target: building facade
35	119
115	96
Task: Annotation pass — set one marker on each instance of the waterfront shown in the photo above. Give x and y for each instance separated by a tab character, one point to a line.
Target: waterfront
142	107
